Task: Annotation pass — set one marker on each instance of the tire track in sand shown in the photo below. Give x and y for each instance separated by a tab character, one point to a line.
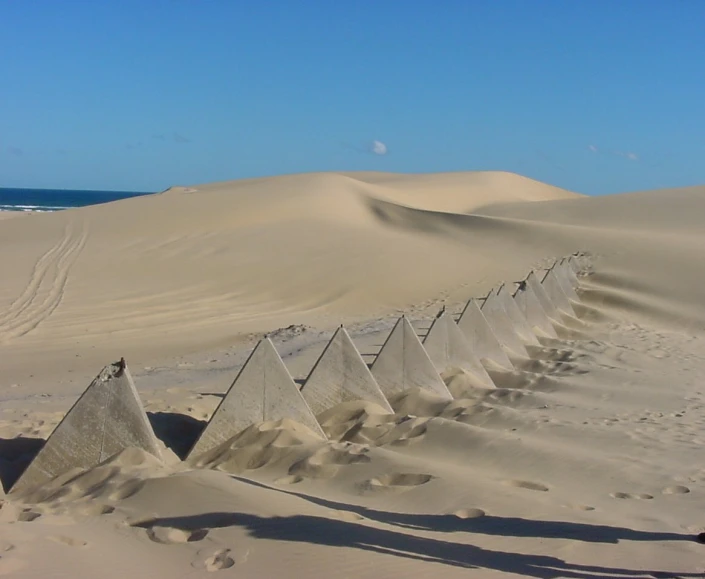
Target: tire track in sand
45	289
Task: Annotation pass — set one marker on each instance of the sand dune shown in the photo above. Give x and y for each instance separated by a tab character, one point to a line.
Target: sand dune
195	267
583	461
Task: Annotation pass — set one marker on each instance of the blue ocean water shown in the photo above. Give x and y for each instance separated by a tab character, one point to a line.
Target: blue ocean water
56	199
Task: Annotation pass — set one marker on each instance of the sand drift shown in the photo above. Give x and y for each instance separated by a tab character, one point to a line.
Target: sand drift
109	417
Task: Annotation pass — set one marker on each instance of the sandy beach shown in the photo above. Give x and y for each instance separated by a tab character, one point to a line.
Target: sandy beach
583	461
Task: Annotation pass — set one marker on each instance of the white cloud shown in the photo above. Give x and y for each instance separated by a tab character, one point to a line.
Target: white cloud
629	155
379	148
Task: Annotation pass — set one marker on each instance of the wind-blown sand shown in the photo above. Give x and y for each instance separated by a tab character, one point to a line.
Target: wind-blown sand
586	461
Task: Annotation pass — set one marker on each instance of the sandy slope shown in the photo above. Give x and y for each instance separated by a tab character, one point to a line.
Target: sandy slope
195	267
13	214
584	462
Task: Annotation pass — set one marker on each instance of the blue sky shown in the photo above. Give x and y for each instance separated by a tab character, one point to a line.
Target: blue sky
597	96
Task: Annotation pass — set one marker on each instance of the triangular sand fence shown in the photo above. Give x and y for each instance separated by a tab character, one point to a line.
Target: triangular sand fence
574	263
560	269
263	390
569	275
449	349
533	311
481	338
555	292
521	325
341	375
547	304
403	363
571	268
578	263
502	326
105	420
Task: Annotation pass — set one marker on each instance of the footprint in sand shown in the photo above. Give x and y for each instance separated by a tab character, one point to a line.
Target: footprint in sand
580	507
218	560
93	510
525	484
675	490
172	535
396	482
620	495
126	490
28	516
326	462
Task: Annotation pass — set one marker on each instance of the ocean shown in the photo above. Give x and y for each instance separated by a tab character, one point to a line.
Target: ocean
56	199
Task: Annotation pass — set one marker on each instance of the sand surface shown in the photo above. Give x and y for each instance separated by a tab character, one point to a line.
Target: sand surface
11	214
585	461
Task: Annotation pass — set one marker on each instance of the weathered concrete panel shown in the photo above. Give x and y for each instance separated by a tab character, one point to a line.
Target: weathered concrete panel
569	273
546	302
521	325
341	375
481	337
263	390
562	270
555	292
403	363
574	263
533	311
502	325
449	349
105	420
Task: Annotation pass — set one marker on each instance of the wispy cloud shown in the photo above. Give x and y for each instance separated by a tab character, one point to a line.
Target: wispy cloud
15	151
379	148
629	155
369	148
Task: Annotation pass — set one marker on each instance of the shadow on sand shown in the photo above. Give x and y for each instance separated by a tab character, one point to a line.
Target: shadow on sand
395	542
15	456
178	432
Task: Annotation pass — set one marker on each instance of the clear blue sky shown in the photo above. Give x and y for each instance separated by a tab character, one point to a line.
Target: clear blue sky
597	96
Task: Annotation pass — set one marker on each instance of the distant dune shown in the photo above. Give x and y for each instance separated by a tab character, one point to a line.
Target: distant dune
203	264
